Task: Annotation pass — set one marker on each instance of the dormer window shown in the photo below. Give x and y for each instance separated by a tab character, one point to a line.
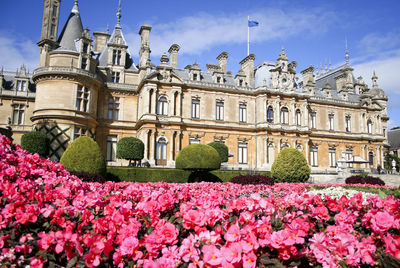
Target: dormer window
116	60
194	77
21	85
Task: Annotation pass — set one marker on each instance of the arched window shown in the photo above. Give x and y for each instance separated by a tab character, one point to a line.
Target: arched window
298	117
270	114
271	153
162	106
369	126
284	145
284	115
161	152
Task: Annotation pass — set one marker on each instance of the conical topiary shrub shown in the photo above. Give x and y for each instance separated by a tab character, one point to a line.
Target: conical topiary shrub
290	166
84	155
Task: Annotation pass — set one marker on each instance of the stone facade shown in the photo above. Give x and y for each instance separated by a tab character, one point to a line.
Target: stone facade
93	87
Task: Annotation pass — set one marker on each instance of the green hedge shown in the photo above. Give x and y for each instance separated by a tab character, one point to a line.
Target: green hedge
169	174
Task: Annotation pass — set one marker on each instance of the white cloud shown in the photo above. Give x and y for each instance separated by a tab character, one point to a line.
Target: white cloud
17	51
203	31
378	42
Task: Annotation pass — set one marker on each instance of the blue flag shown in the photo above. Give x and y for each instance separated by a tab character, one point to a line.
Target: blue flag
252	23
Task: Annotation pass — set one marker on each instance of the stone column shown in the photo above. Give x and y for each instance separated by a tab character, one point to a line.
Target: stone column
307	150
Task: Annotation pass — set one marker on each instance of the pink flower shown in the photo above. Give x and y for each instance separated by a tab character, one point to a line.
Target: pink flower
169	233
233	253
321	213
193	219
129	246
212	255
233	233
382	222
249	260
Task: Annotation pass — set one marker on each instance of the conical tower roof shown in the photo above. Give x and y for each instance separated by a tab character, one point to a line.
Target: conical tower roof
72	30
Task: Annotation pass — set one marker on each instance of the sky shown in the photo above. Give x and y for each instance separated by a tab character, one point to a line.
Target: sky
313	32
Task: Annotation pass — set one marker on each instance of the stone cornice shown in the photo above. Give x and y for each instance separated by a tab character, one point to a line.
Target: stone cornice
68	73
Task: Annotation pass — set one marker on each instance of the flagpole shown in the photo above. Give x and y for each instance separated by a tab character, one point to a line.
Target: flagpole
248	36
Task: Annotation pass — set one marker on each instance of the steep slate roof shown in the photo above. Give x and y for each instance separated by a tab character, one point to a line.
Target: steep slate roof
204	77
394	139
329	77
72	31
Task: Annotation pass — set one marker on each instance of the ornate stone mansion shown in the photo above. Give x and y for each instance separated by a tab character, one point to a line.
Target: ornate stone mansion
88	84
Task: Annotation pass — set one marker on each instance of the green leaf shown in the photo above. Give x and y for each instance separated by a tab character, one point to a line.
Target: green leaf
72	262
382	194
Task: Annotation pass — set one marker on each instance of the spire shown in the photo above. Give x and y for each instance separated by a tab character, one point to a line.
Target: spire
75	9
119	15
72	30
347	53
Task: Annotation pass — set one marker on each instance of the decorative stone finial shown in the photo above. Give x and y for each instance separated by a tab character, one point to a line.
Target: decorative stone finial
75	9
119	15
374	80
164	59
347	54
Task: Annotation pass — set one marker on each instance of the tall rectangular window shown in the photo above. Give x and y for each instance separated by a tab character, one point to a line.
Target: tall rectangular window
84	63
242	153
332	157
314	156
113	108
298	117
349	157
348	123
111	147
116	60
331	118
78	132
18	114
196	108
82	99
313	120
219	110
115	77
242	112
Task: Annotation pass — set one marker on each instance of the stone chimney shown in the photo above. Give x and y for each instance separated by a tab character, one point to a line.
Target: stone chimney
144	53
100	41
308	76
173	55
222	60
248	68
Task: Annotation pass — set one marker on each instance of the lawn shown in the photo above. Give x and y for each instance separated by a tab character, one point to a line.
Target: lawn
51	218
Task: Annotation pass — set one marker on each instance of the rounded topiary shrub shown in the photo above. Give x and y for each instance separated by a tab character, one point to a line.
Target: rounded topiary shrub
222	150
130	148
36	142
356	179
252	179
197	157
84	155
290	166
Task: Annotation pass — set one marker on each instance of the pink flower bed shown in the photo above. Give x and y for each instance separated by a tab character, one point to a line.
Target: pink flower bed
50	217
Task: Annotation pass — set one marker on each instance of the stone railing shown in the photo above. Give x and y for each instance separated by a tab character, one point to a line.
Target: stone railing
62	70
